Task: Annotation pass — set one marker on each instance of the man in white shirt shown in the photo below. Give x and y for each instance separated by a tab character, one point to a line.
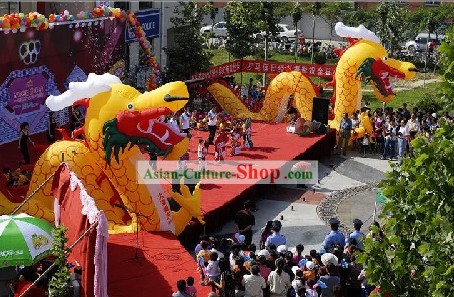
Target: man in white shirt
184	121
402	135
173	121
212	119
254	283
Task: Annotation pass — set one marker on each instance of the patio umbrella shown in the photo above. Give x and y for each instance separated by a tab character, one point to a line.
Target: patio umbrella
24	240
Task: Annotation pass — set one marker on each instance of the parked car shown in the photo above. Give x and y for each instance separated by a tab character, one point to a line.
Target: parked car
219	29
422	40
285	33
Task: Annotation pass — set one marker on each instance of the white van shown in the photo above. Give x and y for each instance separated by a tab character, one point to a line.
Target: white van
422	40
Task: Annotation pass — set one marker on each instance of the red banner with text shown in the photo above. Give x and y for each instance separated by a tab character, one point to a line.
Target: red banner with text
258	66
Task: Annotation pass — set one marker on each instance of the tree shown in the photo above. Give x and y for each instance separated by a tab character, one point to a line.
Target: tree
242	22
188	55
59	283
333	12
297	15
364	17
391	25
414	256
447	69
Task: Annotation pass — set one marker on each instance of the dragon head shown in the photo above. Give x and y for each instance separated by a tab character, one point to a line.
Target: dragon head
380	71
139	120
121	115
367	60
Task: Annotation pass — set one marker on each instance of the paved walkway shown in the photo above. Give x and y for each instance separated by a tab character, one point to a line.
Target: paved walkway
345	190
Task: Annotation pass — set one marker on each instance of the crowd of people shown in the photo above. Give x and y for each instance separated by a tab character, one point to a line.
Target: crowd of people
393	130
236	266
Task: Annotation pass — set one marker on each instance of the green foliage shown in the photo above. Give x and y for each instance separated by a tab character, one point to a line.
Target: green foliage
430	102
59	284
391	25
189	55
297	13
333	12
419	233
320	58
364	17
447	63
241	22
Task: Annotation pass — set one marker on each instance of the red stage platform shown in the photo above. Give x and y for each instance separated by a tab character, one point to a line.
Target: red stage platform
163	259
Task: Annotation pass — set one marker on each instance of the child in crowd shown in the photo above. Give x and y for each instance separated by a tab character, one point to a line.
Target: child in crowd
202	259
190	289
298	254
202	151
213	271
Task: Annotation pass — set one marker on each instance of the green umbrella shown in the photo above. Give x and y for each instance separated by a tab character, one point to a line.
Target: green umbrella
24	240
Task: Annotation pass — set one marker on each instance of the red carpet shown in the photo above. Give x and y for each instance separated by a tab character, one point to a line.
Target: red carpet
164	259
271	142
162	262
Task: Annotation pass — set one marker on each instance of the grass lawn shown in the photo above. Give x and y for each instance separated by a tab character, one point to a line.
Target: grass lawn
403	96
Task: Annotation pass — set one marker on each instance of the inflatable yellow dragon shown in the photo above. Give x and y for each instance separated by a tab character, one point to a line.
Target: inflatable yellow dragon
365	60
119	119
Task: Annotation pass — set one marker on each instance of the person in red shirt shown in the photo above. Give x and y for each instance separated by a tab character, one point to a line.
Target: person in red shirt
20	286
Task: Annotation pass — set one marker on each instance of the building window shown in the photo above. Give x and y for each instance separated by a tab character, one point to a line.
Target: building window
124	5
9	7
145	5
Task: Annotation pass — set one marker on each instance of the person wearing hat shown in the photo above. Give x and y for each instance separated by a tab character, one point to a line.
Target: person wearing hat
276	238
335	237
357	235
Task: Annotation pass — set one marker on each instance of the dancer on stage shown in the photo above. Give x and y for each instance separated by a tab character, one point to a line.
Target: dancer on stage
247	138
219	144
235	143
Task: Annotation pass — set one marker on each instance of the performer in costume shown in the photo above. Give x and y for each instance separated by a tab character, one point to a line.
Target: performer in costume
219	144
235	143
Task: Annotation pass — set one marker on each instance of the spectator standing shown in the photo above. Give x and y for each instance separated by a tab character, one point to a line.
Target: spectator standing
266	232
357	234
330	280
181	287
335	237
275	238
345	129
190	289
402	135
279	280
245	220
254	283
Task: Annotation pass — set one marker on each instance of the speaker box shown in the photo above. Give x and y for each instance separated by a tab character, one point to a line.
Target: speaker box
320	110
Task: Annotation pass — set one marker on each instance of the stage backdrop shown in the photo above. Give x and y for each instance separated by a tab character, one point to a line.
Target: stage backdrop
35	64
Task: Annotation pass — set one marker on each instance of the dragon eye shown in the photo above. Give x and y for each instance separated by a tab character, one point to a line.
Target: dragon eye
130	106
385	58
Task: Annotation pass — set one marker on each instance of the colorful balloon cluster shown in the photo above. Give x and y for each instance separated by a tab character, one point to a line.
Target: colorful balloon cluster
134	24
21	21
62	17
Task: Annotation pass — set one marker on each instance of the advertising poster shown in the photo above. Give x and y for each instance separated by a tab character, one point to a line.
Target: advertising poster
35	64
